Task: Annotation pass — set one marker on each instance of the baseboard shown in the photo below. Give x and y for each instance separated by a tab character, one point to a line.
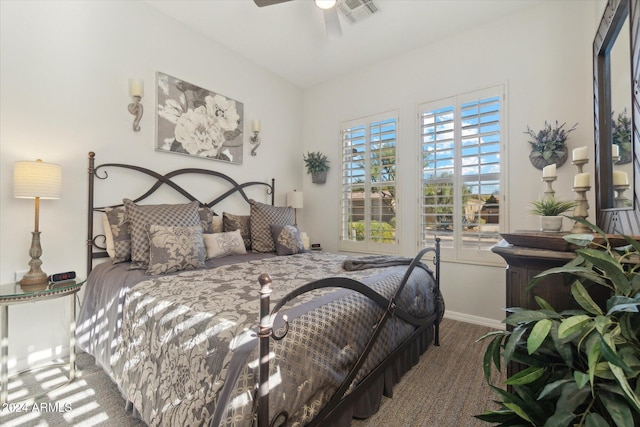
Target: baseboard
23	364
476	320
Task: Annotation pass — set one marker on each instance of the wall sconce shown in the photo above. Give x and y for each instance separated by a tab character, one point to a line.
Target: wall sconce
36	180
136	91
255	139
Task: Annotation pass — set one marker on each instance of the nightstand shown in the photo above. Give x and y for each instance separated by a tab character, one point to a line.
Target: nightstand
14	293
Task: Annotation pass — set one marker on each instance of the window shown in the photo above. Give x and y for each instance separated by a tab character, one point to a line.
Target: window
369	202
461	173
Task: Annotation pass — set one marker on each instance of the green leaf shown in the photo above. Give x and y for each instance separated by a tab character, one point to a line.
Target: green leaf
610	266
526	376
595	420
553	389
579	239
512	342
610	354
583	298
581	378
626	388
618	408
518	411
490	355
538	335
502	416
525	316
561	418
572	324
593	356
572	396
564	349
543	304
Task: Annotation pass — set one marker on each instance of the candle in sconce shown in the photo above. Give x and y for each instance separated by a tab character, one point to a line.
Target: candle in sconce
136	87
581	180
549	171
580	153
615	150
256	125
620	178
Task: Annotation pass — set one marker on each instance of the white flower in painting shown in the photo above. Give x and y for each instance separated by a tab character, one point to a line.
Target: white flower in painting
198	133
163	84
171	110
224	111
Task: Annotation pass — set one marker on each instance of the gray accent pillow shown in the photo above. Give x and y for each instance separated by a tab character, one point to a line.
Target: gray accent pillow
223	244
139	216
119	225
231	222
287	239
262	216
173	248
206	219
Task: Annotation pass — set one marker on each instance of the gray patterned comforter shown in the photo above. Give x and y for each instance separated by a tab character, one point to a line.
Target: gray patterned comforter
187	350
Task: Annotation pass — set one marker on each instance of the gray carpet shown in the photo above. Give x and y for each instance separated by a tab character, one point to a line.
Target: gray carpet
446	388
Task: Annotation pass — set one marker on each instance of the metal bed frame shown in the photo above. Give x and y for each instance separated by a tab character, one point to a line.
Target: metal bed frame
424	327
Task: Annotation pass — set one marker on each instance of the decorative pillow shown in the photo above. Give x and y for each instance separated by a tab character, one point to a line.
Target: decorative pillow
173	248
223	244
206	219
287	239
232	222
216	223
108	236
262	216
180	215
120	231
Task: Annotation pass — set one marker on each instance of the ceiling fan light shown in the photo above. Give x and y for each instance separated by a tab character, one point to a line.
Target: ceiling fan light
325	4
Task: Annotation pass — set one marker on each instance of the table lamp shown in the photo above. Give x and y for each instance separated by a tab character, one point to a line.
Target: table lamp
36	180
294	200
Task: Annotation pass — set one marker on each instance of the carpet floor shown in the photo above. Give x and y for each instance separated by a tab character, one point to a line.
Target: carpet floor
446	388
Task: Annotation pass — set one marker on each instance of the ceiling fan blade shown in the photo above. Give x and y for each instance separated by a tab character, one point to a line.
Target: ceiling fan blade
332	23
263	3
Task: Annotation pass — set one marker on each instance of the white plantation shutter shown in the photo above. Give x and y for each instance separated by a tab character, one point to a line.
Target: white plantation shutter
461	172
369	203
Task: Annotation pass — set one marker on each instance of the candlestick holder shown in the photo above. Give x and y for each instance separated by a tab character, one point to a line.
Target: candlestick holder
620	201
581	210
549	192
580	163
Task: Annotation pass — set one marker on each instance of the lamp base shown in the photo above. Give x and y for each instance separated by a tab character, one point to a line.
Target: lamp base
35	276
34	279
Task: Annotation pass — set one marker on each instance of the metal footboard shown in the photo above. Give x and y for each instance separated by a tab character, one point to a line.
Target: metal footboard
390	309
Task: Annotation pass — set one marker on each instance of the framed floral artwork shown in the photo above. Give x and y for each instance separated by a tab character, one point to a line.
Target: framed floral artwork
197	122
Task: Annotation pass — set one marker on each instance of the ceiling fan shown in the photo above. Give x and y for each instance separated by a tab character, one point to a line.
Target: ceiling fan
331	20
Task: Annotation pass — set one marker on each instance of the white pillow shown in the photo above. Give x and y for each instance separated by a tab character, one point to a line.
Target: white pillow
223	244
108	236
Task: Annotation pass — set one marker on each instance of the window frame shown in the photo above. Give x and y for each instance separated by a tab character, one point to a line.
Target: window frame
368	246
458	253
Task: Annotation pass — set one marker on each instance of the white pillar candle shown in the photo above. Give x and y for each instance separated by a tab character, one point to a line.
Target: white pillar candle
136	87
256	125
620	178
549	171
580	153
581	180
615	150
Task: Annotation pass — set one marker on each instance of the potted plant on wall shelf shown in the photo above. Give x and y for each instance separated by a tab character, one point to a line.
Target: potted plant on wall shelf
317	165
621	130
582	366
550	210
548	146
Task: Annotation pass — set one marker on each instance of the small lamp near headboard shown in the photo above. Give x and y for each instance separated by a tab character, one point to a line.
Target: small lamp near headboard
36	180
295	201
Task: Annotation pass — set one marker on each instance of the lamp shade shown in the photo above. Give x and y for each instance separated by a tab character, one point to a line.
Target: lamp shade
37	179
294	199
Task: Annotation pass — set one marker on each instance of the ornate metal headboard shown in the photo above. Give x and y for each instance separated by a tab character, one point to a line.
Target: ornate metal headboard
100	172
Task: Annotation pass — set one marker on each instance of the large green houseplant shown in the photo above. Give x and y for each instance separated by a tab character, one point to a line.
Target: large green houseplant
581	366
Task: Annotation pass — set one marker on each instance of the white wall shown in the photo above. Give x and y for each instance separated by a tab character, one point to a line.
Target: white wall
64	70
543	54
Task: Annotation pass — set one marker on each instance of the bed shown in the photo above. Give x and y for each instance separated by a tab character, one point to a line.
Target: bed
205	345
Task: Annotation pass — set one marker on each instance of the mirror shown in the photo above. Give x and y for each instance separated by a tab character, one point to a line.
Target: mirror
613	94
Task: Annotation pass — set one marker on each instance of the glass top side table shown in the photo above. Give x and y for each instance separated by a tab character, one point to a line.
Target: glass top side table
14	293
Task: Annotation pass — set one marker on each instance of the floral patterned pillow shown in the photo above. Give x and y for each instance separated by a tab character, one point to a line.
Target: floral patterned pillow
174	248
231	222
287	239
223	244
120	232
